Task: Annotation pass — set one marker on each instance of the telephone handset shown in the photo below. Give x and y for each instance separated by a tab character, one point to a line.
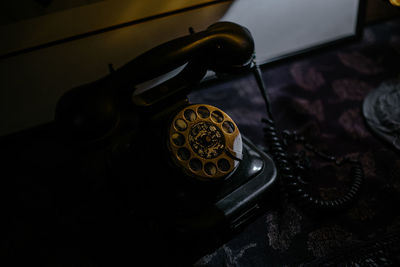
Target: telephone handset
201	172
92	110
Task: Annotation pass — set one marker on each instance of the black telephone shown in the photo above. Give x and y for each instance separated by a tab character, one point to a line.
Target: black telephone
183	177
184	174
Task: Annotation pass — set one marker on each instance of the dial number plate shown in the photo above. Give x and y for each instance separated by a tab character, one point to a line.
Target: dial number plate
205	142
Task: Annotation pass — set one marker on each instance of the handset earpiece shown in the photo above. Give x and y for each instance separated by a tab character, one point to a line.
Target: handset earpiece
234	47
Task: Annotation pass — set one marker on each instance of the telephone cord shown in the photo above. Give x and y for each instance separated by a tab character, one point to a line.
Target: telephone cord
293	184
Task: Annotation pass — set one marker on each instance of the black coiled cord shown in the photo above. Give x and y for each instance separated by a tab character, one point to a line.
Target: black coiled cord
293	184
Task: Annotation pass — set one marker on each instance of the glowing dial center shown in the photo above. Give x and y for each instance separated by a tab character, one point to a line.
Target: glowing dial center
206	140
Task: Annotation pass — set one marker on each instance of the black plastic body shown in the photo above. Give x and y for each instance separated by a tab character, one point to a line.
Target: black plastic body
159	215
190	217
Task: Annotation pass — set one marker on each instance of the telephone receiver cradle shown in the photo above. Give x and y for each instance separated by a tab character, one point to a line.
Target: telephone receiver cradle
223	177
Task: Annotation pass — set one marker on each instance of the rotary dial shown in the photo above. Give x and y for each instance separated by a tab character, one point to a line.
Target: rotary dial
205	142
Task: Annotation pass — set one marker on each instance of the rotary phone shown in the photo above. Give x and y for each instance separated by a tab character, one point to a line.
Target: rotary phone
181	176
184	176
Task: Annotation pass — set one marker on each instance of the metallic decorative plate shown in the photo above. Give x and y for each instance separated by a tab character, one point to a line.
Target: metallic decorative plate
381	110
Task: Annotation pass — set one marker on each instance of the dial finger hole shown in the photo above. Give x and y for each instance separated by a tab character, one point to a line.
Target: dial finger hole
228	127
203	112
178	139
195	164
190	115
223	165
217	116
210	168
183	153
180	124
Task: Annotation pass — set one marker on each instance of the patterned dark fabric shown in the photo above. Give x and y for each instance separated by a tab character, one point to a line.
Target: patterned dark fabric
321	97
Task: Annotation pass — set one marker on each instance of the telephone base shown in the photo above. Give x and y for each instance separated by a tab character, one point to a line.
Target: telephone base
191	218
